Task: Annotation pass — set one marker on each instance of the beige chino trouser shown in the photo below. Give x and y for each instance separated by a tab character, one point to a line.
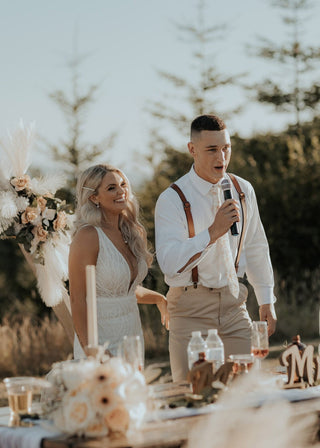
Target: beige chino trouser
202	308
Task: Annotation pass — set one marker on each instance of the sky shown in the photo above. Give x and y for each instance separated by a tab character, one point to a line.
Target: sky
127	42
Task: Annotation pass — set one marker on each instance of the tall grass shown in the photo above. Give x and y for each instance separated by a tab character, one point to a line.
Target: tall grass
30	347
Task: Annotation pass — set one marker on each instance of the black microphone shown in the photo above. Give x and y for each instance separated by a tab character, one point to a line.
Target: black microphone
226	188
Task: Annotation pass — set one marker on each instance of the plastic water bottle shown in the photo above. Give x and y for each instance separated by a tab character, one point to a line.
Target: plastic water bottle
196	345
215	349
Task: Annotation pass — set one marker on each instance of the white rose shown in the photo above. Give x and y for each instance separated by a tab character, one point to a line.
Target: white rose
118	371
74	373
133	390
77	412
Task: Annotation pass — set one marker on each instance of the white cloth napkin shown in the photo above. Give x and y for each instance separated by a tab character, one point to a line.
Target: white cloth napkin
223	248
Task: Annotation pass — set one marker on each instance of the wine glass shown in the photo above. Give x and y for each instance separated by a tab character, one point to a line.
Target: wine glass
241	363
259	341
131	350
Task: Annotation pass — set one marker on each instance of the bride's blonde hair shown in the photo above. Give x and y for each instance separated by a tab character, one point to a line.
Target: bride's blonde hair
87	213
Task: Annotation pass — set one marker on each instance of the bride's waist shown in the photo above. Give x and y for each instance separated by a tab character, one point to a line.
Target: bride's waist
116	307
117	299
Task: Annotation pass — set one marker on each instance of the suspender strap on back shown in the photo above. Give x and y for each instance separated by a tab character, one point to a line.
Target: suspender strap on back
187	209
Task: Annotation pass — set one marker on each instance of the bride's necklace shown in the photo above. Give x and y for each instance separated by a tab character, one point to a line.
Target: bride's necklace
106	227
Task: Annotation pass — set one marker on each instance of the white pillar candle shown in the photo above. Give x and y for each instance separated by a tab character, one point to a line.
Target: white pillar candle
92	323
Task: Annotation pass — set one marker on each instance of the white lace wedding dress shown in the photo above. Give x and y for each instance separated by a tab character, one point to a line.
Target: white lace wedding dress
117	309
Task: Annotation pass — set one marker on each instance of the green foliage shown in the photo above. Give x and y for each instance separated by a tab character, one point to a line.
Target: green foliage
294	93
18	290
285	174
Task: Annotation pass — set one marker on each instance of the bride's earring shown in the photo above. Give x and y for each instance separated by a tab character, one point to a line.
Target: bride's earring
97	205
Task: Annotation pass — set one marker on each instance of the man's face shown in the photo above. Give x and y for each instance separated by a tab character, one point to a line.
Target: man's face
211	151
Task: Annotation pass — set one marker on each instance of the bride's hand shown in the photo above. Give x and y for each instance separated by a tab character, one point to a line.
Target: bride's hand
162	307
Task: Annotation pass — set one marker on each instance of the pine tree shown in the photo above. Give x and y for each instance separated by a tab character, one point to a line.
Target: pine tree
198	91
72	151
294	92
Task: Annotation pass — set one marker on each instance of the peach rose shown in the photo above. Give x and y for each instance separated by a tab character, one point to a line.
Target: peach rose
118	419
60	222
20	183
29	215
96	429
41	203
40	233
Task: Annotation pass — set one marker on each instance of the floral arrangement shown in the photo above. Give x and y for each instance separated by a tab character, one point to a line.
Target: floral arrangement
33	216
96	400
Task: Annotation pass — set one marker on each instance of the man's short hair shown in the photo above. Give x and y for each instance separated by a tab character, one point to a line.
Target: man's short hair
206	123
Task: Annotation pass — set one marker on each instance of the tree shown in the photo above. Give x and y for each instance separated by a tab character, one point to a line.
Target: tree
294	92
71	151
198	95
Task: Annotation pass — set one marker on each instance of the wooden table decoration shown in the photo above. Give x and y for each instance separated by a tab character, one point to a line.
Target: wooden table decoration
201	376
303	368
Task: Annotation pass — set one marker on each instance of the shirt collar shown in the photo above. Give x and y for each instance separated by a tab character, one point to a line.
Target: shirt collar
203	186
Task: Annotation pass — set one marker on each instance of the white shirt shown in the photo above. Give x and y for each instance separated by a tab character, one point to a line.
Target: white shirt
174	248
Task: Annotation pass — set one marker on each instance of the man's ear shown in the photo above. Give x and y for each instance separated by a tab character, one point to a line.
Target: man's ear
191	148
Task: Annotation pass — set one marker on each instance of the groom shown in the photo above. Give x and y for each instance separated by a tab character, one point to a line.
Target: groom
198	262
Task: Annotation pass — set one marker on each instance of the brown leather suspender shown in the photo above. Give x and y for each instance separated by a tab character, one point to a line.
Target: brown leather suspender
243	204
187	209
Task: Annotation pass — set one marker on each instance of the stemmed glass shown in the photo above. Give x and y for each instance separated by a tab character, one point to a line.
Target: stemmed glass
131	350
259	341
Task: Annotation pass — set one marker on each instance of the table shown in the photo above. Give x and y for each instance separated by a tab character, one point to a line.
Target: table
175	426
165	433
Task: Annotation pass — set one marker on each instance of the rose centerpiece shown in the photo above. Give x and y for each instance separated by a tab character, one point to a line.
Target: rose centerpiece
96	400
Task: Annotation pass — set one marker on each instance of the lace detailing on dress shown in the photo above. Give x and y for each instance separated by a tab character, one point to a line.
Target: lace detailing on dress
117	309
113	274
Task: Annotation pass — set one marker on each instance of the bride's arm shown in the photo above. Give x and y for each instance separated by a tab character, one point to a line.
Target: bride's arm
149	297
83	251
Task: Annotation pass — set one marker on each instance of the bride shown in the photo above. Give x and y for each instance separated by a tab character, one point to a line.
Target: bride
109	235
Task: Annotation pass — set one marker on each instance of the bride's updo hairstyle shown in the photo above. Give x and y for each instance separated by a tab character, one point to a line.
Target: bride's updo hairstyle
87	213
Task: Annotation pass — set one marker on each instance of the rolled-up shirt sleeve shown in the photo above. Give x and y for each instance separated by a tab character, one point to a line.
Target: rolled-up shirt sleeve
174	248
259	269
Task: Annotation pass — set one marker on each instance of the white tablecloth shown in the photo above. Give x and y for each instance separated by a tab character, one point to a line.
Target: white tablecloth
22	437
